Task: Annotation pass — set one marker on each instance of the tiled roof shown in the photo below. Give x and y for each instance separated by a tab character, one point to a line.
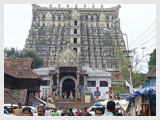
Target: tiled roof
20	68
152	73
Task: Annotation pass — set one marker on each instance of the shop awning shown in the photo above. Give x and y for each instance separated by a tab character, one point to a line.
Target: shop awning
104	103
148	90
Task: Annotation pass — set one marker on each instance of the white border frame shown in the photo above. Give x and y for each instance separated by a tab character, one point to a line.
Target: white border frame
157	2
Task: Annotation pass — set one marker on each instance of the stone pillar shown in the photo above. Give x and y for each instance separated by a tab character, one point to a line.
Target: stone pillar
57	76
51	85
85	83
77	84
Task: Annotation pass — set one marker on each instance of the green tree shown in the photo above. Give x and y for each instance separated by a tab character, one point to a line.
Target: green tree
12	53
37	62
122	62
137	78
123	65
119	89
152	60
15	53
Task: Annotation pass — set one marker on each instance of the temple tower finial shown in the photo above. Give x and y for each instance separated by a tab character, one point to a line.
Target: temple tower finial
93	6
76	6
101	5
59	5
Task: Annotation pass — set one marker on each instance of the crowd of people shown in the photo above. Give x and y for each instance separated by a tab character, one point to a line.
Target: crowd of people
42	111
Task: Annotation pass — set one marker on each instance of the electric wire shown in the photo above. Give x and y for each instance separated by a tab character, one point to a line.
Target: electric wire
151	47
146	42
144	32
144	37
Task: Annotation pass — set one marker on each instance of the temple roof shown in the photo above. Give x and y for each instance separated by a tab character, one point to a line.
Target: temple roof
96	72
20	68
152	73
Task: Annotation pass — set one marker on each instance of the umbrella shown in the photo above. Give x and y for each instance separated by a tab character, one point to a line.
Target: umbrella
124	104
49	105
97	104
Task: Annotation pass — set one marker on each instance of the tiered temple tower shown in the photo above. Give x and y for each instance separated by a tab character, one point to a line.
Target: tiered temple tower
91	33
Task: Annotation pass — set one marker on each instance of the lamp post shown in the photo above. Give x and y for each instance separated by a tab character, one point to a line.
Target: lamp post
130	68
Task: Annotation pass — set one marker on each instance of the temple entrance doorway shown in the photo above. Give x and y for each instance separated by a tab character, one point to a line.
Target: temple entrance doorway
68	88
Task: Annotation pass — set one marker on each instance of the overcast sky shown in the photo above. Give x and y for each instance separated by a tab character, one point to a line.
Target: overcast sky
138	21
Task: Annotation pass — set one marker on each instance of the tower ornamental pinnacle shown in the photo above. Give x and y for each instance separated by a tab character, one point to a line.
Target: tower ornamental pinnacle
76	6
93	5
101	5
59	5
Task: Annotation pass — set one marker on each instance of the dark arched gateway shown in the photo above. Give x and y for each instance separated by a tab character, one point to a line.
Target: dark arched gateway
68	85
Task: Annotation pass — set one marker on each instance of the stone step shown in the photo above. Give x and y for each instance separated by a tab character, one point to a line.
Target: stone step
73	105
66	100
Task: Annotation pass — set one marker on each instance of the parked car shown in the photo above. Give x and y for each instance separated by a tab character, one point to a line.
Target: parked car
10	107
7	112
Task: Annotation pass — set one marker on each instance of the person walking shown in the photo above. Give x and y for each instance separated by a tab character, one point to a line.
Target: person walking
84	114
110	109
27	111
15	111
85	109
47	112
20	110
60	111
54	112
77	112
71	112
99	111
65	114
71	95
41	111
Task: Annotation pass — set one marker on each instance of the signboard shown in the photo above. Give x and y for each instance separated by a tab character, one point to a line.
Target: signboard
36	104
97	93
107	92
87	98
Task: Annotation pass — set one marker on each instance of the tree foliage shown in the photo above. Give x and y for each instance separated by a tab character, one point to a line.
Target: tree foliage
137	78
15	53
37	62
123	64
12	53
122	61
119	89
152	60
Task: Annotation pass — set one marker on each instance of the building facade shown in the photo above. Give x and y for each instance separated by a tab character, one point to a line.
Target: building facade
91	81
92	33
